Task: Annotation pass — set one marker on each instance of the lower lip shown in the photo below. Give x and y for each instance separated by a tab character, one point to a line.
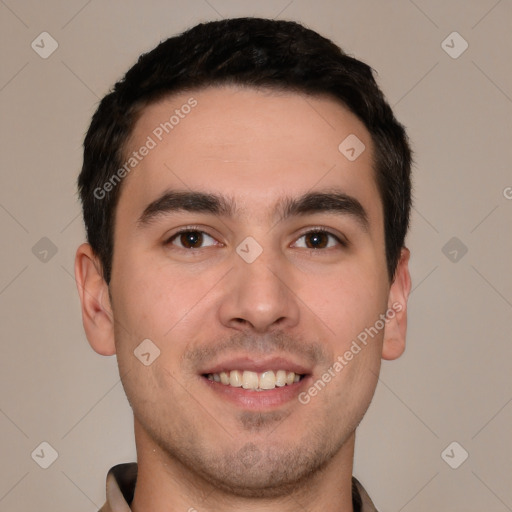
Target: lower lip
258	400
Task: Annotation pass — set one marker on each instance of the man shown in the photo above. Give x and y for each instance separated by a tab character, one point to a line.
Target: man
246	195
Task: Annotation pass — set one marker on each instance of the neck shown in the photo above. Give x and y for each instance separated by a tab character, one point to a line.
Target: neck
165	484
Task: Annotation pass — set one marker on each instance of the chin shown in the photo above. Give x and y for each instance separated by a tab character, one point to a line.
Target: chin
264	472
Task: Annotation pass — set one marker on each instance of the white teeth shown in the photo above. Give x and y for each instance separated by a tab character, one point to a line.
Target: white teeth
255	381
267	380
280	378
235	379
249	380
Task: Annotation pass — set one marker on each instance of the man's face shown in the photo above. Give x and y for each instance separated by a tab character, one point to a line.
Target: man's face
213	304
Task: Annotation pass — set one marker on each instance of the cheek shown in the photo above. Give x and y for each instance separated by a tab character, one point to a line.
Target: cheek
152	298
359	299
159	302
348	300
350	304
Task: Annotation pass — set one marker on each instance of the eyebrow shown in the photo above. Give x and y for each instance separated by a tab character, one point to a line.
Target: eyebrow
328	201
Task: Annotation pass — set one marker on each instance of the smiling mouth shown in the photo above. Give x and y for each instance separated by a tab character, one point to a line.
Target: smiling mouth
255	381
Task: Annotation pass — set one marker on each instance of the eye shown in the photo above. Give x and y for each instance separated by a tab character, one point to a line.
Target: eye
190	238
318	238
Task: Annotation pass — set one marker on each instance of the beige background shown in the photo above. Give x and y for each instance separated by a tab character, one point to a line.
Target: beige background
454	381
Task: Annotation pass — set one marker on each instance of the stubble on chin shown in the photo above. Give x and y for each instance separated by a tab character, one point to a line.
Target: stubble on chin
255	422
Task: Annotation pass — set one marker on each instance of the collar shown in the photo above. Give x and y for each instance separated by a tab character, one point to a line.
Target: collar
121	481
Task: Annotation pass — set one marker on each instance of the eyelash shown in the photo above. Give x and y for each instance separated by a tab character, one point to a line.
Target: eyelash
197	229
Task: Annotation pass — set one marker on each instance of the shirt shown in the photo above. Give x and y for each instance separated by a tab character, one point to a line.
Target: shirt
121	488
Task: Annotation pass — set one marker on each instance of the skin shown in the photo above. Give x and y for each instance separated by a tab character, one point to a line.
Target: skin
196	449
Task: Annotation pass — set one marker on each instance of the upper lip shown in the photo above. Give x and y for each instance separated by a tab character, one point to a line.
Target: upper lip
257	364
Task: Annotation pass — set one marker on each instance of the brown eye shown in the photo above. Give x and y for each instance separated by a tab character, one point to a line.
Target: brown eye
190	239
319	239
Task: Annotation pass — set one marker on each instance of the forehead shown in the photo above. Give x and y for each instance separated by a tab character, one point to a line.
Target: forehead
254	145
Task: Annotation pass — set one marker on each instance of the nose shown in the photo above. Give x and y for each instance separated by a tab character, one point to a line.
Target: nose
260	295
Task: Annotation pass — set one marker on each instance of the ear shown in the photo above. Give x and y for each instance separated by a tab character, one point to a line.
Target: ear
396	327
97	315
